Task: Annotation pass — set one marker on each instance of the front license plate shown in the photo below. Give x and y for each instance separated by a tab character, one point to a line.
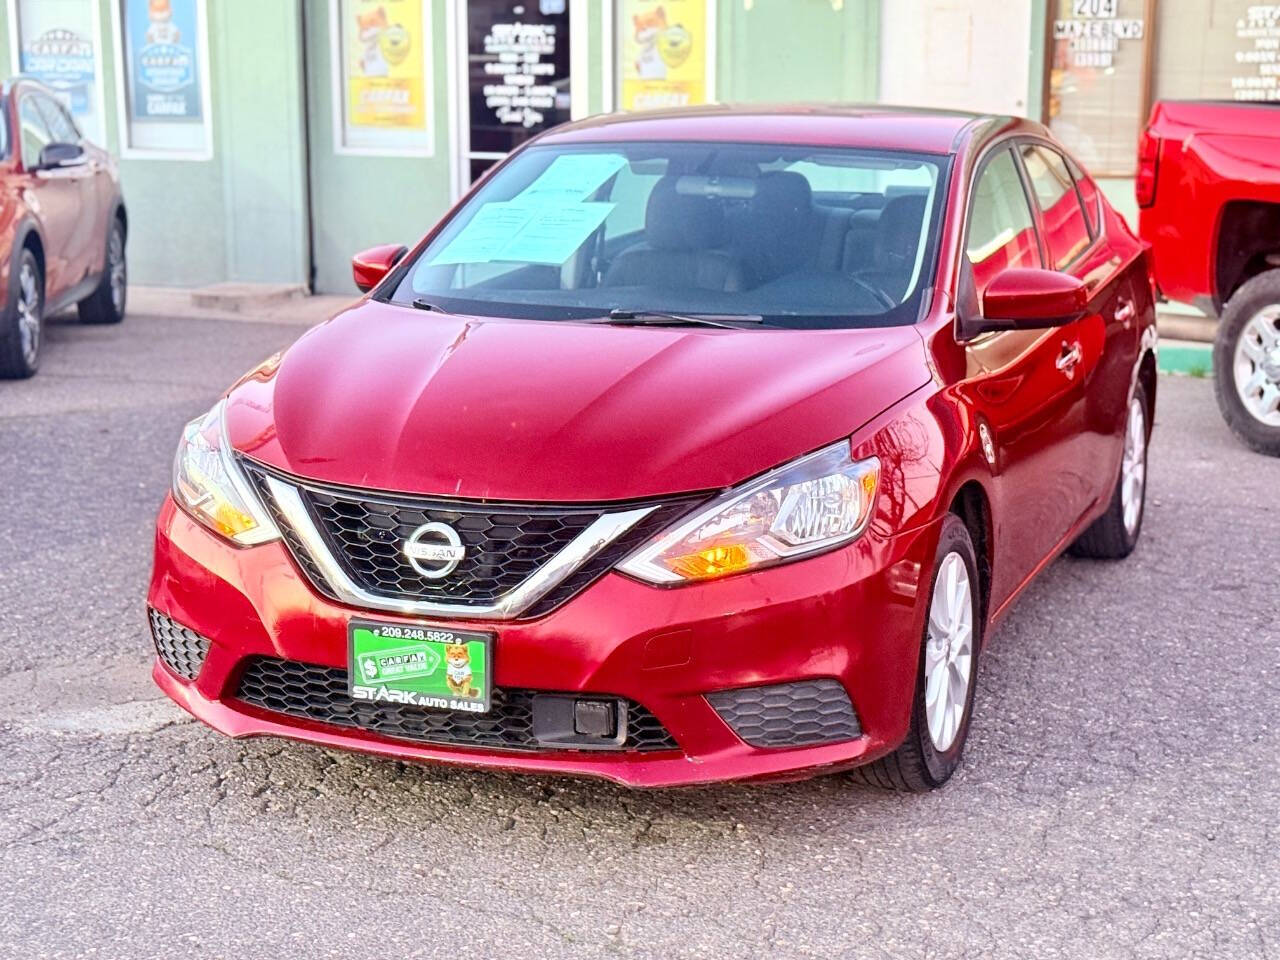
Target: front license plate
431	667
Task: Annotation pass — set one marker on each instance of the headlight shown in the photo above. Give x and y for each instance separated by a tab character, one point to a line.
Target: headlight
209	485
811	504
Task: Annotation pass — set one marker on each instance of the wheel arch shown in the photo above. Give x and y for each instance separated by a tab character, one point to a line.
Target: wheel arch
1247	244
972	505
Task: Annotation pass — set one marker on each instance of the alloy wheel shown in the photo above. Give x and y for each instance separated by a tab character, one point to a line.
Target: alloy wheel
29	313
116	269
948	660
1133	466
1256	366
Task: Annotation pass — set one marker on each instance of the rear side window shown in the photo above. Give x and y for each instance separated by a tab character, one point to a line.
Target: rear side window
1066	231
1001	230
1088	196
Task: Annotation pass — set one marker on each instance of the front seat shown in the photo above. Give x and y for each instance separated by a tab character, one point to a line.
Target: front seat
897	241
682	237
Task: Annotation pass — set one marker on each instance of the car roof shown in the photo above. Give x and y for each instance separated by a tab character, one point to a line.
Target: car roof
912	129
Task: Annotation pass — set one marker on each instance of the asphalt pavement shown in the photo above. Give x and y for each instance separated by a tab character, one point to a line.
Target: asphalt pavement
1120	796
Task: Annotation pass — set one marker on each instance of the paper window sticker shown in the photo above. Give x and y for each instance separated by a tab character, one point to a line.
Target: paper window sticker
573	176
482	239
553	234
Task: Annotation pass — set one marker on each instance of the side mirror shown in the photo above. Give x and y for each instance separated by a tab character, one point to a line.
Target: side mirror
368	267
56	155
1029	299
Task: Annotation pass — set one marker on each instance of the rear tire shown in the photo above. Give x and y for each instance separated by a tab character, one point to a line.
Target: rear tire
1114	534
1246	363
22	326
948	669
106	303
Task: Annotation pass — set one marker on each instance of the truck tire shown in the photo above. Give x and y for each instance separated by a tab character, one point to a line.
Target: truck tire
1246	363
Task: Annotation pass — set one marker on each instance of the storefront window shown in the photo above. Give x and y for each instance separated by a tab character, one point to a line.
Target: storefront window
664	53
56	41
1223	50
382	76
165	85
1097	80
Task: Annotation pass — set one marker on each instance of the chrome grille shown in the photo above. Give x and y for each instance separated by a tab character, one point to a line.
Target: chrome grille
508	545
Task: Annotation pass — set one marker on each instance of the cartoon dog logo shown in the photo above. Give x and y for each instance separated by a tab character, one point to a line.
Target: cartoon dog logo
457	660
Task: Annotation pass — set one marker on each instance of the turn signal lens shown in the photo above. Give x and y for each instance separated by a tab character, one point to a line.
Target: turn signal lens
208	484
711	562
817	502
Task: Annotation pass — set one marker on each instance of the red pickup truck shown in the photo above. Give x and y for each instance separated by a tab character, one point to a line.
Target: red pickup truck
1208	190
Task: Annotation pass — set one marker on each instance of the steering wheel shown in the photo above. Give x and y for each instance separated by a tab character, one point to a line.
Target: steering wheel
883	298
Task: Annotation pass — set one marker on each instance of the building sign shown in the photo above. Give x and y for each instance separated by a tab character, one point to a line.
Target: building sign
1094	32
662	53
385	54
518	76
1096	80
56	45
1257	56
165	76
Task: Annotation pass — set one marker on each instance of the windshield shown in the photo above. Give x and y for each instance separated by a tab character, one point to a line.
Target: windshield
801	236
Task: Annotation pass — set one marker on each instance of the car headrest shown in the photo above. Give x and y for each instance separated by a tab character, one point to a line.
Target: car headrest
678	221
779	228
898	232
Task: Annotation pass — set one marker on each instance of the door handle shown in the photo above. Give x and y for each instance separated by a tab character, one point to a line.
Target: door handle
1071	355
1125	312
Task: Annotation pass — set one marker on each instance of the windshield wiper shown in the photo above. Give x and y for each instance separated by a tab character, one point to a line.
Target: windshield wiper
660	318
420	304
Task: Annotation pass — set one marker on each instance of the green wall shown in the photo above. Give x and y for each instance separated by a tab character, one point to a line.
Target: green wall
360	201
276	203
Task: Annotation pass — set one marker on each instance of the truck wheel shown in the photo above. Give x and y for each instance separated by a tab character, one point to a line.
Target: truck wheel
1246	363
22	322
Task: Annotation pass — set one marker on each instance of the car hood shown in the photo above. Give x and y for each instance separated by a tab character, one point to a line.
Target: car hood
392	398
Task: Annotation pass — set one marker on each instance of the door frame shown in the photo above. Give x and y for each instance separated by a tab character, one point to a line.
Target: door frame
458	89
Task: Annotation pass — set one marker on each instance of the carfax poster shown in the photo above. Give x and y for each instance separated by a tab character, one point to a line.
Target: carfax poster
384	41
164	68
57	48
662	53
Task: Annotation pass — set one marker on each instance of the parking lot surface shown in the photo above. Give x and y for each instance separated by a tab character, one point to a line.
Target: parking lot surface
1119	795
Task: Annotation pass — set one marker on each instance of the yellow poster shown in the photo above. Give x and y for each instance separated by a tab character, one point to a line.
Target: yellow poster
662	48
384	48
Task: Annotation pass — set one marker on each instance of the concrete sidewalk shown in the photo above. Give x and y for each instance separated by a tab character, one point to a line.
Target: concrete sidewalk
251	303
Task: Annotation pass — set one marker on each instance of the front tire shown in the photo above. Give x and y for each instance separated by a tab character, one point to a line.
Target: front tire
106	303
1246	363
1114	534
22	327
947	674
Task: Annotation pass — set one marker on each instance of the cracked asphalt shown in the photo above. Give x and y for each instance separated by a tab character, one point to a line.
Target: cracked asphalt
1120	796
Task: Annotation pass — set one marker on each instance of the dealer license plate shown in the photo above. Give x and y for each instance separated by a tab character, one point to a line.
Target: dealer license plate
436	668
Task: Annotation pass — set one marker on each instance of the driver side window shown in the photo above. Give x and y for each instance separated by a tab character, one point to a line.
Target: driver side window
33	132
1002	233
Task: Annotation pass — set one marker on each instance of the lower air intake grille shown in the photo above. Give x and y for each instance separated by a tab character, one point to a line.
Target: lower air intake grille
320	693
182	650
789	714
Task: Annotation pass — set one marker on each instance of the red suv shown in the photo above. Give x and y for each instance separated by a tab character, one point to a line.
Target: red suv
62	224
688	447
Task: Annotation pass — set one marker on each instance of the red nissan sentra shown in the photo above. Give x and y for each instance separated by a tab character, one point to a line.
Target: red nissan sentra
688	447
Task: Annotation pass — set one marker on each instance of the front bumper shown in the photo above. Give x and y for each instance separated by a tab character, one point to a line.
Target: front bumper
851	615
